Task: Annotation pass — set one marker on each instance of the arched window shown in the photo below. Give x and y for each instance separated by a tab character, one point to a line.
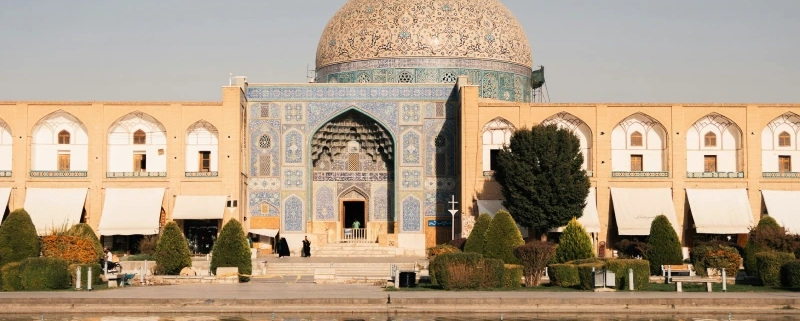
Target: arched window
264	142
784	139
710	140
63	137
139	137
636	139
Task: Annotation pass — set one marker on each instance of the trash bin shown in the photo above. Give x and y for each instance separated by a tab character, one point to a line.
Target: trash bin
408	279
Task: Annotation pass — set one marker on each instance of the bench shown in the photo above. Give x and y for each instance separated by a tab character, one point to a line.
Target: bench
677	270
679	280
121	279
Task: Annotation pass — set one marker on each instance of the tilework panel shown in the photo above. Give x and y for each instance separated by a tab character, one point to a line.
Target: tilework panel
324	204
411	179
434	128
411	214
440	184
352	176
294	178
361	187
355	92
411	148
294	113
256	199
272	110
270	128
385	112
293	148
432	198
264	184
447	68
410	114
293	214
382	205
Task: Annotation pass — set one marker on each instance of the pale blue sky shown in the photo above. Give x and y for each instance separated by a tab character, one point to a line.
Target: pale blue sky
594	51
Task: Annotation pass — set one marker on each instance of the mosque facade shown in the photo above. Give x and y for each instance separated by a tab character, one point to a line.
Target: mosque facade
411	102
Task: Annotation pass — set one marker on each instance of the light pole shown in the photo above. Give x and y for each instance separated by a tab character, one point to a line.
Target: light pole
453	212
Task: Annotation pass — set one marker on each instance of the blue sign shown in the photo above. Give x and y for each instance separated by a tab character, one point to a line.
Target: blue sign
440	223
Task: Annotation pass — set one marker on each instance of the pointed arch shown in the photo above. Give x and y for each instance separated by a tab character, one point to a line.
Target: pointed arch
46	130
578	127
412	209
333	138
202	150
496	134
137	142
60	142
364	194
293	214
202	133
6	146
639	143
713	143
324	204
780	151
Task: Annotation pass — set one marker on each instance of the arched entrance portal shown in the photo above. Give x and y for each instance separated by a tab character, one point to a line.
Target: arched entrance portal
352	159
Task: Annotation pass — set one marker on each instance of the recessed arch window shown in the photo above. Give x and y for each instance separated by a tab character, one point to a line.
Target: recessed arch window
636	139
139	137
784	139
264	141
63	137
710	139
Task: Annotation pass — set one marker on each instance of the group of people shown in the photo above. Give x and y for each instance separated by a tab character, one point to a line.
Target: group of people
283	248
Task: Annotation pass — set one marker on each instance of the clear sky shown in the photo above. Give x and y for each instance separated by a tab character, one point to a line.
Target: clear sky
594	51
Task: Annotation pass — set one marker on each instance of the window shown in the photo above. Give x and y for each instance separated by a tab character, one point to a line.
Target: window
440	106
710	163
264	165
441	165
784	139
785	164
493	159
63	162
205	161
353	162
636	139
264	142
710	139
63	137
139	162
636	163
264	111
139	137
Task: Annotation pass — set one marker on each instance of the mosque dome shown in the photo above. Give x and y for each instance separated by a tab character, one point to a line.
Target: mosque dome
427	41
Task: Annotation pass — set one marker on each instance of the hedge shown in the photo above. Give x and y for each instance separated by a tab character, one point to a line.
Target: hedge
768	236
74	249
512	277
790	274
85	231
586	274
97	272
534	257
12	280
477	237
564	275
462	270
574	243
232	249
664	245
769	266
501	238
441	249
172	251
620	267
37	274
18	238
715	257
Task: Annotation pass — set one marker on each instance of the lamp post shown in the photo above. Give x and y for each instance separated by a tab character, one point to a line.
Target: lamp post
453	212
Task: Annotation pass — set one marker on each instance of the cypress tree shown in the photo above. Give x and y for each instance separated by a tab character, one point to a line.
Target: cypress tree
501	238
18	238
172	251
665	247
232	249
574	243
476	238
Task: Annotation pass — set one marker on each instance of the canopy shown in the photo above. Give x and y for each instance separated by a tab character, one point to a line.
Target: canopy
590	220
51	208
131	211
636	208
265	232
720	211
199	207
783	207
5	192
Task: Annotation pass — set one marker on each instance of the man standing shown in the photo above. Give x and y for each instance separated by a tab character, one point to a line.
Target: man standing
356	224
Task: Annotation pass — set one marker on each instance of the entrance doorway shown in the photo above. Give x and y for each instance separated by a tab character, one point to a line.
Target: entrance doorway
201	235
354	211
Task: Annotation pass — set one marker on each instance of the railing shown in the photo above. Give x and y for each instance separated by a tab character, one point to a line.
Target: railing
201	174
135	174
59	173
359	235
715	174
640	174
780	174
5	173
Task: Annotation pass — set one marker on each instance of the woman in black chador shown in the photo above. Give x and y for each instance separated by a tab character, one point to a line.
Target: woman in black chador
283	249
306	247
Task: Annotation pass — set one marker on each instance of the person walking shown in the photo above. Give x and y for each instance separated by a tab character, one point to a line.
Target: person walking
306	247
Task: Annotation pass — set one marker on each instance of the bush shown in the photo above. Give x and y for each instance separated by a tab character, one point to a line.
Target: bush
665	248
84	231
44	273
172	251
97	272
565	275
73	249
458	243
232	249
715	256
767	236
12	281
147	245
441	249
790	274
18	238
462	270
501	238
620	267
632	249
512	278
477	237
586	274
140	257
574	243
769	266
534	257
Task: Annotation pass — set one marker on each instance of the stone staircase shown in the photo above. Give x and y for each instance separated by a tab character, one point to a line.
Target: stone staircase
354	250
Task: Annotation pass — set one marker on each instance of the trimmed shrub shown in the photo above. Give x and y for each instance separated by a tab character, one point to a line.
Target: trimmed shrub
767	236
641	273
232	249
565	275
462	270
534	257
586	274
477	237
769	266
140	257
501	238
12	281
147	246
790	274
18	238
574	243
458	243
665	247
512	277
97	272
768	221
172	251
85	231
73	249
717	257
632	249
441	249
44	273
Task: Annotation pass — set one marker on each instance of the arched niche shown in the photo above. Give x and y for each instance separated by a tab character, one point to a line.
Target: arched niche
496	134
129	154
46	152
202	148
779	144
639	143
713	144
578	127
6	142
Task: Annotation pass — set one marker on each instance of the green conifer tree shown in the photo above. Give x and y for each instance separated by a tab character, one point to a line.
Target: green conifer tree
232	249
501	238
665	247
477	236
574	243
18	238
172	251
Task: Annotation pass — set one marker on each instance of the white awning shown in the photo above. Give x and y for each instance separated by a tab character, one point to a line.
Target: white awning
590	220
264	232
783	207
491	207
131	211
636	208
720	211
199	207
54	207
5	192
